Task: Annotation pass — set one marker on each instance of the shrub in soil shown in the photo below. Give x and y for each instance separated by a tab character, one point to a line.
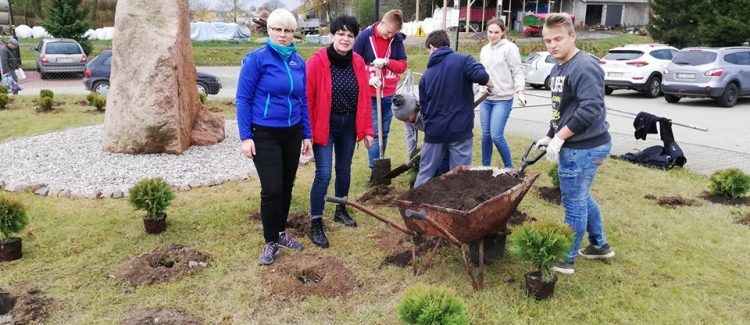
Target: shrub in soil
46	93
100	102
541	244
12	220
424	304
203	97
3	89
552	173
90	97
4	100
731	182
152	195
46	103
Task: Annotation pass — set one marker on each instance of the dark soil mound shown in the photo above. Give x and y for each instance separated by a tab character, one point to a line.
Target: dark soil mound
461	191
24	306
519	218
744	221
307	275
719	199
162	265
390	241
550	194
380	195
161	316
297	224
402	257
674	201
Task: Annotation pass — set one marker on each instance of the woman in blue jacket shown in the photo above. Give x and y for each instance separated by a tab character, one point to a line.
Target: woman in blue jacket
274	122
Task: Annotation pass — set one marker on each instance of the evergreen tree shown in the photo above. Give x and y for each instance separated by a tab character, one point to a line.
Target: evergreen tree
675	22
66	19
724	23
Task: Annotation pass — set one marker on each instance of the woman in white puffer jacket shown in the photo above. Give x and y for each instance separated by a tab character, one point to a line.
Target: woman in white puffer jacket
502	60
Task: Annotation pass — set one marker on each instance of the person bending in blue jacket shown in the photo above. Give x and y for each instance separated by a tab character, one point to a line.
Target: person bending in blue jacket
273	120
447	100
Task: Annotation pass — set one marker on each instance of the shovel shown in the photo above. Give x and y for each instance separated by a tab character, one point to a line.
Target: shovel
380	166
525	161
404	167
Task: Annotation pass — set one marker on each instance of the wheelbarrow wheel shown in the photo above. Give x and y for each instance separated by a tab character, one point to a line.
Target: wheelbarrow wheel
494	249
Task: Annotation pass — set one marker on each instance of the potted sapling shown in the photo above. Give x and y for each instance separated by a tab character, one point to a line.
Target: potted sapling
152	195
12	220
541	244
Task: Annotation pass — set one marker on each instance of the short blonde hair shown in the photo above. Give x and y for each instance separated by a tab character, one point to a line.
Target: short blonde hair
395	17
281	18
560	20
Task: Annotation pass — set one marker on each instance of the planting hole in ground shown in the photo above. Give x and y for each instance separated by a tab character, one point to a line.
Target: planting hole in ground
162	265
672	201
463	190
24	306
304	275
402	257
161	316
550	194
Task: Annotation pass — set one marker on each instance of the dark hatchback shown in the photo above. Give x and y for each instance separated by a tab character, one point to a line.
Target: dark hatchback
96	76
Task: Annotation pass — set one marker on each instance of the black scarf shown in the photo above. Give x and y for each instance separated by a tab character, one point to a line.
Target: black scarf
337	59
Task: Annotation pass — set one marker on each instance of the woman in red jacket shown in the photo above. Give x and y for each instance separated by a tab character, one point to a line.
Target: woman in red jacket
340	115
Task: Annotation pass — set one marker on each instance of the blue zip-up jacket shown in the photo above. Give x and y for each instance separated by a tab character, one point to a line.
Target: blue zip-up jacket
363	48
271	92
446	95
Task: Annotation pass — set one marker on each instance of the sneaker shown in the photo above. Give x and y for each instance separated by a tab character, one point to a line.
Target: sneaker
268	253
564	268
287	241
592	252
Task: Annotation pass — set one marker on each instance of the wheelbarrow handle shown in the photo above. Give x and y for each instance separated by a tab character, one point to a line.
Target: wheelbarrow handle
337	200
421	215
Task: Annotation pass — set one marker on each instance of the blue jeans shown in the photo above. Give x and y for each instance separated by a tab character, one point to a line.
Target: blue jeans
577	170
385	103
433	155
341	139
493	115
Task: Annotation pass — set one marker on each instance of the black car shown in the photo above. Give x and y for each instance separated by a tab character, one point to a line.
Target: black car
96	76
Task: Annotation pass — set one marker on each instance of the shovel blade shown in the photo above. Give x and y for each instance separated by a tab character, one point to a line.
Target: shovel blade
380	168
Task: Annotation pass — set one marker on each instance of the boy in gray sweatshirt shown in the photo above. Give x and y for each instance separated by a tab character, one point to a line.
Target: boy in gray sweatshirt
578	136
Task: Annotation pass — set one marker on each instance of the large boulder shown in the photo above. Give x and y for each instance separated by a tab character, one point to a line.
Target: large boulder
153	104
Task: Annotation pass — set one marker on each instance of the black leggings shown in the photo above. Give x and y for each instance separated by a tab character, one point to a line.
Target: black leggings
277	153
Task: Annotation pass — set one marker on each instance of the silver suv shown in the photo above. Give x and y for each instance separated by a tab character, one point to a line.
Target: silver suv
721	73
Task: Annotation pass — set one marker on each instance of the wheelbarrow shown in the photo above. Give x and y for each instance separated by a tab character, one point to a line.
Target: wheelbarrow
457	227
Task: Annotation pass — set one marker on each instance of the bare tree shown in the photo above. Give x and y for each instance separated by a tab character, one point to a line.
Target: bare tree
273	5
235	6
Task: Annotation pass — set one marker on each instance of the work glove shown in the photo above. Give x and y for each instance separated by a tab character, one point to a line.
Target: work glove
543	142
379	63
521	97
553	149
375	82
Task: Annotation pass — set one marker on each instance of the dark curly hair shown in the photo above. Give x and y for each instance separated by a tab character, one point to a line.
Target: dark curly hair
345	23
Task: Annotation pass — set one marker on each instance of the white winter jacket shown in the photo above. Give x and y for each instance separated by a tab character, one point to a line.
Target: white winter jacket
503	62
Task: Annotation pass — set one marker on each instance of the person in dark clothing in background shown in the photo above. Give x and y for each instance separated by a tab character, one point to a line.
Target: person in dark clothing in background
447	100
578	136
10	61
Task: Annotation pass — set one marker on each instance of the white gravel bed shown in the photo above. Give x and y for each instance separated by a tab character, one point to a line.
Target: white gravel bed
71	163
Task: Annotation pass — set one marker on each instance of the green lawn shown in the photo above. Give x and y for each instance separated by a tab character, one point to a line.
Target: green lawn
683	265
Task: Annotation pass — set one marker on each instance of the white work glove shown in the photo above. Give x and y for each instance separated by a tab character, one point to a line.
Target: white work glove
379	63
375	82
543	142
553	149
521	97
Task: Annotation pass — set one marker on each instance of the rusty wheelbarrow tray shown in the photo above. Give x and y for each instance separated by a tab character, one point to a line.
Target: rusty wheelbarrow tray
458	227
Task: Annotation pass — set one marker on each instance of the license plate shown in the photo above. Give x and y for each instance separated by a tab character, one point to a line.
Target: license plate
615	74
686	76
64	60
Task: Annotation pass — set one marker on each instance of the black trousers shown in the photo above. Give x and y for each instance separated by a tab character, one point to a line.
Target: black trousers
277	153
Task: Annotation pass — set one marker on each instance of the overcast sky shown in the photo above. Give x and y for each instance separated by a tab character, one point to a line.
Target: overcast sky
290	4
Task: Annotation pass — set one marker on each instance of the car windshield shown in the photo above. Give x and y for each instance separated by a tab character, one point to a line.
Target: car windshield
531	58
694	58
623	55
63	48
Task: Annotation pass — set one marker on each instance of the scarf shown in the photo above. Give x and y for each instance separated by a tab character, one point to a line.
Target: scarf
337	59
284	51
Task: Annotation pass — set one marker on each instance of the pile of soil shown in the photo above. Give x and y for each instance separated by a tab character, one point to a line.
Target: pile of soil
308	275
390	241
672	201
402	257
744	221
380	195
720	199
461	191
24	306
550	194
162	265
161	316
297	223
519	218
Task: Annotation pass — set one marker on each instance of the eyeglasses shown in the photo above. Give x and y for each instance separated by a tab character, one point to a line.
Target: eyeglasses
343	34
279	30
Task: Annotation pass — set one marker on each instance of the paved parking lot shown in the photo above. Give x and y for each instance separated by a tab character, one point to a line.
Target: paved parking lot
724	145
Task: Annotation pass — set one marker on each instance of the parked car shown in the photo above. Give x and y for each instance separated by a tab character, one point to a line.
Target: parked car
59	55
537	67
96	76
720	73
637	67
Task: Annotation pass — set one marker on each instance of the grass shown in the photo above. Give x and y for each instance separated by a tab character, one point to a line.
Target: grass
683	265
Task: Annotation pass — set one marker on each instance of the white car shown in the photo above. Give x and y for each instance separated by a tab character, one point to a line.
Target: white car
636	66
537	67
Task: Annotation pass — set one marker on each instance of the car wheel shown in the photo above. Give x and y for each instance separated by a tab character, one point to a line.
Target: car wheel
535	86
671	98
653	88
548	83
101	87
202	88
608	90
43	75
729	97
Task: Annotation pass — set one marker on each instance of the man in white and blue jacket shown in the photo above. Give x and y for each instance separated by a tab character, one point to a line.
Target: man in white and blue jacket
447	99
